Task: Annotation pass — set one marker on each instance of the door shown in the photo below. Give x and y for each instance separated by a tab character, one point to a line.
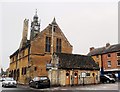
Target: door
67	77
75	77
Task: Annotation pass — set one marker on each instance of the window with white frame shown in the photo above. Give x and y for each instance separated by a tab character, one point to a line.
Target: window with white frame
109	63
118	54
118	62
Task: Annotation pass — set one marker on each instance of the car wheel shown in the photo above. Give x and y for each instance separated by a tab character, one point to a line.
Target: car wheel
48	86
37	86
108	81
30	85
16	86
113	81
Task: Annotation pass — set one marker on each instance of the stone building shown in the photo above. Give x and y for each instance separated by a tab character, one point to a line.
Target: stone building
73	69
32	56
108	58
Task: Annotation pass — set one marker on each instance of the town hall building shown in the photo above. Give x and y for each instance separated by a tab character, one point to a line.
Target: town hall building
33	56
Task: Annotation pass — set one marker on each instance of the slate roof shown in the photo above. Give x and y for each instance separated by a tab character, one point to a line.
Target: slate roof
18	50
74	61
103	50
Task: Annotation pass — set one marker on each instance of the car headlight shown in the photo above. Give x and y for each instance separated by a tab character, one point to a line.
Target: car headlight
5	82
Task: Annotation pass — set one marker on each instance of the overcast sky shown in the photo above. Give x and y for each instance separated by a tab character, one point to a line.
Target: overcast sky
87	23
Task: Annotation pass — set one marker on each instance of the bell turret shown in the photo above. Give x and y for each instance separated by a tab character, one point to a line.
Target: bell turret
35	26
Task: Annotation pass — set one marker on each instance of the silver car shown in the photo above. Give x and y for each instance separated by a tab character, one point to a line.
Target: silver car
9	82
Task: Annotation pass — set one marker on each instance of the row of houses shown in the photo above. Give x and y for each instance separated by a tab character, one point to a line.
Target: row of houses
108	58
49	53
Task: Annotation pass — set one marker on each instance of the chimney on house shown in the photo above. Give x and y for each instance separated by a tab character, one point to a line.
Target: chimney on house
92	48
24	34
107	44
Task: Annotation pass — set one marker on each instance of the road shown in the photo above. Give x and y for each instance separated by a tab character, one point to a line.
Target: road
89	88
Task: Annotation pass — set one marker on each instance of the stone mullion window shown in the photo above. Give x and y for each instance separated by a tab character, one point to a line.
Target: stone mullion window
23	70
58	45
48	44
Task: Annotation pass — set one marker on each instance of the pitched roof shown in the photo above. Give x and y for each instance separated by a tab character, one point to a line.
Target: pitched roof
103	50
18	50
96	51
74	61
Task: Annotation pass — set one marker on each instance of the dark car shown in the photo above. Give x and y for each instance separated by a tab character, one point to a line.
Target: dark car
106	79
40	82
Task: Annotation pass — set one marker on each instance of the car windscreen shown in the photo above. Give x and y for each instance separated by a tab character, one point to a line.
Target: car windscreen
9	79
106	76
43	78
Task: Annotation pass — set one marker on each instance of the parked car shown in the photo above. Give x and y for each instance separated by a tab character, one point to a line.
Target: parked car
9	82
106	79
2	79
40	82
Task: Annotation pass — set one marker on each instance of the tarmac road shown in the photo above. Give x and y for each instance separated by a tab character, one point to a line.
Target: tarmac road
112	87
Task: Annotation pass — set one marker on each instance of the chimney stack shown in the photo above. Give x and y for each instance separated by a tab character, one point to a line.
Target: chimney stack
107	44
92	48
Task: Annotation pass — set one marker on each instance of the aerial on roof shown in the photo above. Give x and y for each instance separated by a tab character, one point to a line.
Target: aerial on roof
74	61
107	49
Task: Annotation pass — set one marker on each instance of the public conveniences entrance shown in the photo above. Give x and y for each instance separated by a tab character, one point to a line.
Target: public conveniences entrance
75	77
67	77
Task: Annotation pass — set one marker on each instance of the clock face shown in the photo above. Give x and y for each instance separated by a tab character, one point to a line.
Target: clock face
36	28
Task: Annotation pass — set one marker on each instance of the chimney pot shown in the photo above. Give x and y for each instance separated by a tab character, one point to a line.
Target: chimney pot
107	44
92	48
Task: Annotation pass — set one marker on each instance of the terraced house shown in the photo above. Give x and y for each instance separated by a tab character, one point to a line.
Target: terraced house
108	58
34	57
